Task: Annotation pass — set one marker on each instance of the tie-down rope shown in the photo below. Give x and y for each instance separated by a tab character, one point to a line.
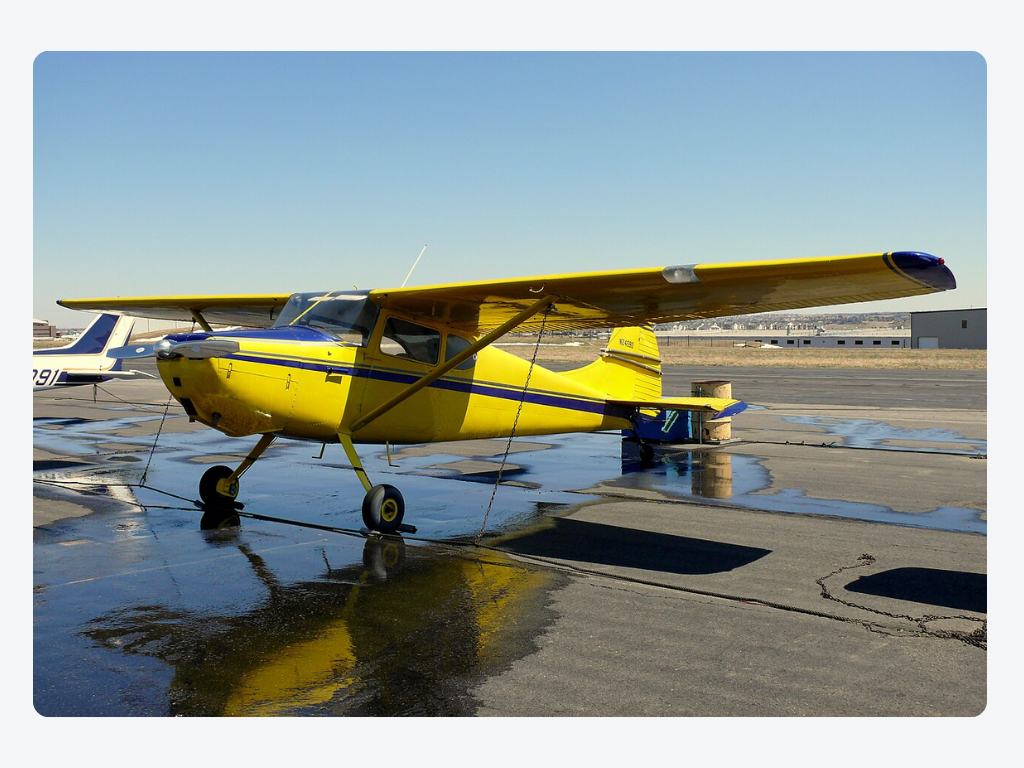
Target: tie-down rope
519	410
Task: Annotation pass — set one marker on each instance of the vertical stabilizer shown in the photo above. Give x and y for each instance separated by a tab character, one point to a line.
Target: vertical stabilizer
629	368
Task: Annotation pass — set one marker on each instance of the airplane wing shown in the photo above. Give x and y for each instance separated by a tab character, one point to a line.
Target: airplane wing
253	311
591	300
669	294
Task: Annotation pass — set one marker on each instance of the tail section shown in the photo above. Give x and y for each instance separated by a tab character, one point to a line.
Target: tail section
629	367
628	374
88	359
103	333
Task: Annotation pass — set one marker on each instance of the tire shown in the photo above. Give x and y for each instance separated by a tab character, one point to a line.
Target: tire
383	509
646	455
208	492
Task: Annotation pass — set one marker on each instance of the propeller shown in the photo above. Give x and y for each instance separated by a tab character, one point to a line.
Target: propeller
195	350
165	349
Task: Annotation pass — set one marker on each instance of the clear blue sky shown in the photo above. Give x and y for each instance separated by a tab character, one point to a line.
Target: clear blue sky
195	173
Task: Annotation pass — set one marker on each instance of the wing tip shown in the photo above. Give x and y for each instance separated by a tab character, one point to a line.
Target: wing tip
925	268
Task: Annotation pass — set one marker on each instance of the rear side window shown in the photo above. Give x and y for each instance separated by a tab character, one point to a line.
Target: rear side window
455	345
411	341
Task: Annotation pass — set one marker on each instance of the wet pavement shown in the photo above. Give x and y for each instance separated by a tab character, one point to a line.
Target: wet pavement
825	553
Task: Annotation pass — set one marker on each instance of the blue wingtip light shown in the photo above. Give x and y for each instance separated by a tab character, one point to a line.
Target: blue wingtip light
926	268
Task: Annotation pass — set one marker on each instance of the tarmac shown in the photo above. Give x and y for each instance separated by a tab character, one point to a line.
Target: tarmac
828	560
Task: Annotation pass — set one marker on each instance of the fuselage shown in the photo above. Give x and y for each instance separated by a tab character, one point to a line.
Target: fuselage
53	372
303	383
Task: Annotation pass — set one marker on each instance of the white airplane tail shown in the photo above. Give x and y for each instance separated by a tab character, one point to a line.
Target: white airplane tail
86	360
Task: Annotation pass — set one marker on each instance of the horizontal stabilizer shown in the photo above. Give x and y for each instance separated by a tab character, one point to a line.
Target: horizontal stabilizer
133	374
88	376
722	407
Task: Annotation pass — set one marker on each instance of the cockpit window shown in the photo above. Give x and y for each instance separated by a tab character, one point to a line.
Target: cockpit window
410	340
347	316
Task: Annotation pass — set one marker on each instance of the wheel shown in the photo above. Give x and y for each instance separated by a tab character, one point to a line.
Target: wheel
208	487
219	510
383	508
646	454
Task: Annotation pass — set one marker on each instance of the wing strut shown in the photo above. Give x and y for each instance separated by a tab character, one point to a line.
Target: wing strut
199	319
465	354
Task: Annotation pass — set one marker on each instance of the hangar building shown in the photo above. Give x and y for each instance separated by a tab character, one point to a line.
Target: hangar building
949	329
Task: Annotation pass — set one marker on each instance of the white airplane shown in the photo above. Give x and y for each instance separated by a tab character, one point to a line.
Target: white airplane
88	359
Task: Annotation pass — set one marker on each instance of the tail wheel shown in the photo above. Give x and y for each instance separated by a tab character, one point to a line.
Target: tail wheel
383	509
646	455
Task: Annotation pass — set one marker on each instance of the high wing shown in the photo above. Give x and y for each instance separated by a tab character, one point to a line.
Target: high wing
592	300
668	294
252	311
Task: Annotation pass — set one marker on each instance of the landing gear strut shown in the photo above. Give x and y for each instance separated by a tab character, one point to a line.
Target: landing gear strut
218	489
383	505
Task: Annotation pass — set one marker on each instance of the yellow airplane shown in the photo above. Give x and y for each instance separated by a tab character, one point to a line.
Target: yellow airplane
418	365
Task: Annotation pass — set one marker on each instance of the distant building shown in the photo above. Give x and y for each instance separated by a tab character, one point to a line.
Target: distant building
949	329
834	342
41	329
784	341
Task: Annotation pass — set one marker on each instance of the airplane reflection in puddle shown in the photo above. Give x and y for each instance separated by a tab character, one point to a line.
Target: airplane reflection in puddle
707	472
407	632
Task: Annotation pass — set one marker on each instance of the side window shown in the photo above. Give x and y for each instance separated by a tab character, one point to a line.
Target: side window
409	340
455	345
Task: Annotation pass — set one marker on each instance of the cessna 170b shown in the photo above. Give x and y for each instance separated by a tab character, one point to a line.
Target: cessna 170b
418	365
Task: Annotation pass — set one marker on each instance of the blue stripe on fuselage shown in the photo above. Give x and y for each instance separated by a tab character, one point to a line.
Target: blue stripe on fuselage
304	334
567	402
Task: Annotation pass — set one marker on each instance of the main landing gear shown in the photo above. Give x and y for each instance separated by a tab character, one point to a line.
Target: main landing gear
383	505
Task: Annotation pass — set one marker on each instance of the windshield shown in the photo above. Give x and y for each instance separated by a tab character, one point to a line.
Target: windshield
347	316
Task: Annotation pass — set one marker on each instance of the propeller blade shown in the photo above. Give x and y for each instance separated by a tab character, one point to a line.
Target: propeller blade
131	351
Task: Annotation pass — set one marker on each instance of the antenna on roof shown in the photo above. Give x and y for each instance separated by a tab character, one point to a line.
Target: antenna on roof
413	266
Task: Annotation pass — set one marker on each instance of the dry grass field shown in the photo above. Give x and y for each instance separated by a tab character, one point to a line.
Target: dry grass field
729	356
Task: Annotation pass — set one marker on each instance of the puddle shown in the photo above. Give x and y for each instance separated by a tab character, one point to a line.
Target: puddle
740	480
864	433
258	624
